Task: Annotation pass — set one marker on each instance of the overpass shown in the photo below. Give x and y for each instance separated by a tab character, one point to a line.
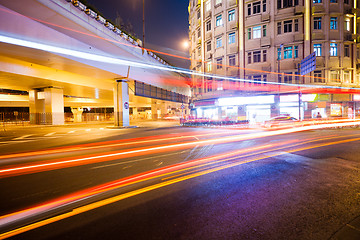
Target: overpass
66	55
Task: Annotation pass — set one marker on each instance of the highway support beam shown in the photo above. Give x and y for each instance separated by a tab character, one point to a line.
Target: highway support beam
46	106
121	103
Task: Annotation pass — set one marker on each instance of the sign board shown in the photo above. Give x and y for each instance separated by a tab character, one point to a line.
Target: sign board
308	64
182	106
126	105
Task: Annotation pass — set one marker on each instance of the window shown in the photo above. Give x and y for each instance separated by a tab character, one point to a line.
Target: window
264	5
257	56
346	1
249	9
208	5
347	50
333	49
219	21
347	24
287	52
208	25
198	14
208	46
317	23
334	76
219	42
217	2
333	23
264	30
256	7
264	55
333	1
257	78
256	32
231	15
279	28
318	76
232	61
288	77
249	33
317	50
199	51
209	66
249	57
231	38
287	26
279	53
296	25
287	3
296	51
317	1
199	32
219	63
264	78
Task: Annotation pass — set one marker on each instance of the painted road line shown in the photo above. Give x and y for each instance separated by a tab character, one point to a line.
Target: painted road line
50	134
23	137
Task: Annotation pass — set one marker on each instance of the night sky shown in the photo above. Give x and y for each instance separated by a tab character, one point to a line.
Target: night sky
166	23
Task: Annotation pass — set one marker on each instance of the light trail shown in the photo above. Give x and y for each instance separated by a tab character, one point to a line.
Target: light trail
66	163
177	179
115	143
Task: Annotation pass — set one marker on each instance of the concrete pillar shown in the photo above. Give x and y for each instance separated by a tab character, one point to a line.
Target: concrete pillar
46	106
164	109
154	108
77	112
121	104
275	108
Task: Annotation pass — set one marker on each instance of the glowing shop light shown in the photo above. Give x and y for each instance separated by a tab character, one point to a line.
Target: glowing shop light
235	101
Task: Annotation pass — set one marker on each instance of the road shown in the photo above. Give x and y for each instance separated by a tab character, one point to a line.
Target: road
179	183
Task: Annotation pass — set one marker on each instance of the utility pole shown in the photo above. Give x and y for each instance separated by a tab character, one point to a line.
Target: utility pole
143	42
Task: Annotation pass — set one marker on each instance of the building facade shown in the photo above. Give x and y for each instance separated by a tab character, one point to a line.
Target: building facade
258	39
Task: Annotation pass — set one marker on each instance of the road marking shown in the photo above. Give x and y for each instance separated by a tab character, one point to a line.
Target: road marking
71	132
22	137
126	167
88	130
50	134
158	164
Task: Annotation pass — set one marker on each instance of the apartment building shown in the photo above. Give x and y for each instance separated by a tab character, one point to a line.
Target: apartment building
257	39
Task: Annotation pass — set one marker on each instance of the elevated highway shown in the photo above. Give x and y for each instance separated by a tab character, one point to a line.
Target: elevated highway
59	51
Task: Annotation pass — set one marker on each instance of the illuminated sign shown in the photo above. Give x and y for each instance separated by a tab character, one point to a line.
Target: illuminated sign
335	110
308	97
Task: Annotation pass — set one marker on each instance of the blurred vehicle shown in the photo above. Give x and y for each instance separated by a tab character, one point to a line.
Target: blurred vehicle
281	121
171	117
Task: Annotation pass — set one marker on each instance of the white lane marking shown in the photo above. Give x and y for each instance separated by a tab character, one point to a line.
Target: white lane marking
139	160
158	164
71	132
49	134
22	137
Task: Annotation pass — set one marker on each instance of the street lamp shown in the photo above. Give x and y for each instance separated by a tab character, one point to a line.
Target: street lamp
143	42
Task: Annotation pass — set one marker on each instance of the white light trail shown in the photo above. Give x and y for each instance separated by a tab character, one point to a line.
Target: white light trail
118	61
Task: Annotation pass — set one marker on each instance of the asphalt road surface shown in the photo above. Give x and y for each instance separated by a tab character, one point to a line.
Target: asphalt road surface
178	183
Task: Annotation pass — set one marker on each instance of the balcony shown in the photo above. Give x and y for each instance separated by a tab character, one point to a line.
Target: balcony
208	35
265	17
266	67
299	37
265	41
208	14
320	62
318	9
232	3
318	36
299	10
